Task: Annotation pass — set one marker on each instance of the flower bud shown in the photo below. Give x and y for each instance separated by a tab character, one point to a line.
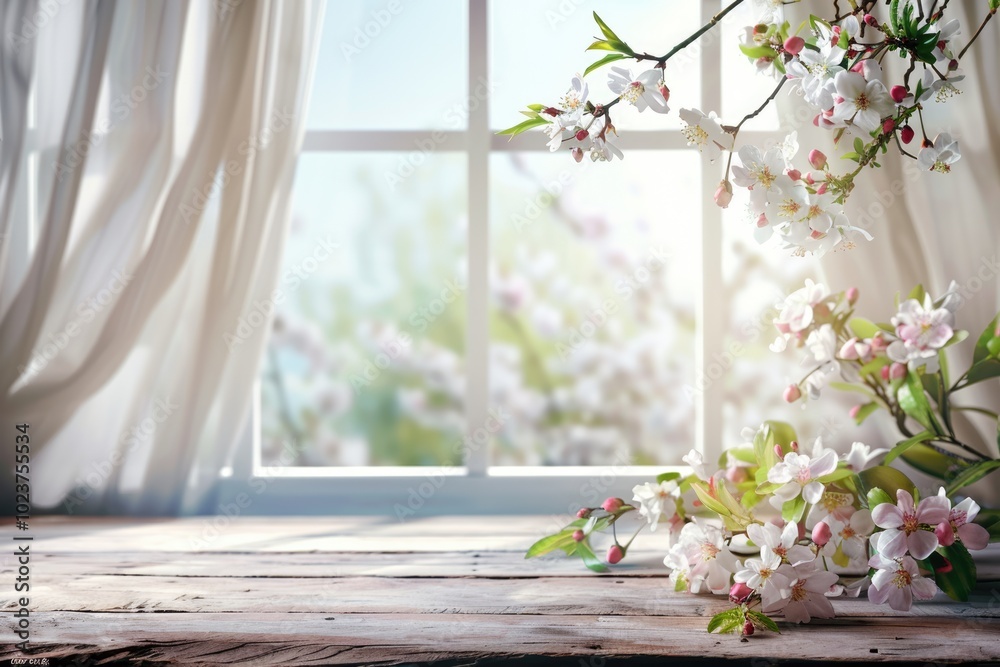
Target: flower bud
858	67
854	411
578	535
779	452
664	91
794	44
739	593
944	569
583	513
897	371
952	65
615	554
760	28
817	159
724	194
577	153
822	188
871	20
782	327
736	474
821	533
794	174
852	295
849	351
898	93
906	134
885	373
794	445
581	135
762	221
888	125
792	393
945	533
612	505
748	628
552	111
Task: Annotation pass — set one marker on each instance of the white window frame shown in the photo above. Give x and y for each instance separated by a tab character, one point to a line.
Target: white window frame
478	487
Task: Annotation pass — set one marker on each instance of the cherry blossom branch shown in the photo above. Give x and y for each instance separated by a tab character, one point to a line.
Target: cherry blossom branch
753	114
978	32
694	36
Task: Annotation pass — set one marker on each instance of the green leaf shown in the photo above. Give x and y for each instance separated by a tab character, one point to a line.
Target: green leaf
610	45
793	509
667	476
550	543
888	479
984	370
708	501
537	107
758	51
866	410
726	621
856	388
990	520
605	30
762	620
904	445
859	146
878	497
783	433
930	461
835	476
994	5
917	293
590	559
523	127
961	579
874	366
863	328
610	58
972	474
912	399
957	338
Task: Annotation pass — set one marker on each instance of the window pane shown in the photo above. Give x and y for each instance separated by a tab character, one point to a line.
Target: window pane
392	65
757	278
591	324
368	340
743	88
550	39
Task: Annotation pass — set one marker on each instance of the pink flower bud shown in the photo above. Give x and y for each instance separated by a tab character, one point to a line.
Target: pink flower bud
762	221
794	44
816	234
945	533
854	412
581	135
809	179
878	343
783	327
578	535
794	445
792	393
852	295
944	569
817	159
748	628
821	533
615	554
821	189
897	371
952	65
849	351
885	373
779	452
577	153
583	513
739	593
888	125
724	194
906	134
552	111
612	505
871	20
664	91
736	474
794	174
898	93
858	68
864	351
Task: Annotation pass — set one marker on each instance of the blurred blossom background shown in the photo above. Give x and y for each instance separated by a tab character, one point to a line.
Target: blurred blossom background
594	272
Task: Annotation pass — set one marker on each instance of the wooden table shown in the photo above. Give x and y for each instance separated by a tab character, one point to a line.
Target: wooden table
454	590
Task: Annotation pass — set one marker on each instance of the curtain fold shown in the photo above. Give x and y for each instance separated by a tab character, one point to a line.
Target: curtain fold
114	346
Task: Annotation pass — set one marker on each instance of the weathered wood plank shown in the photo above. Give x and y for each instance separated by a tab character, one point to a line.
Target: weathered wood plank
553	596
396	639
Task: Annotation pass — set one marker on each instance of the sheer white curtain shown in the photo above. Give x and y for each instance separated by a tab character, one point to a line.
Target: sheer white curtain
159	140
932	228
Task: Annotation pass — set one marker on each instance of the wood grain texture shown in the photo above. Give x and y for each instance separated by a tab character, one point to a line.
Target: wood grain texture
454	591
